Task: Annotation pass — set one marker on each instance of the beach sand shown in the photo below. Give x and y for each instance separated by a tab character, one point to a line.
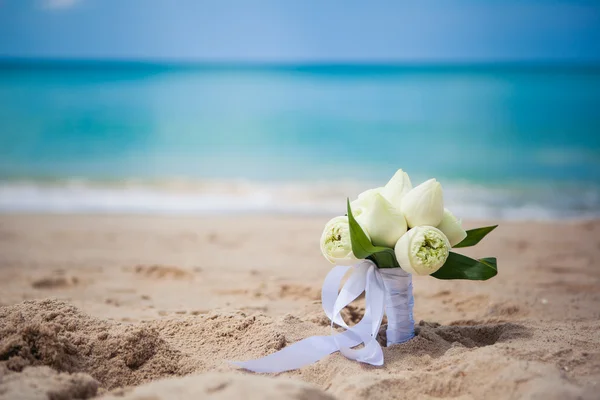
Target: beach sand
151	307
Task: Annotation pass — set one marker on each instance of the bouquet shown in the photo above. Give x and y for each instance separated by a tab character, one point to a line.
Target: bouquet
388	234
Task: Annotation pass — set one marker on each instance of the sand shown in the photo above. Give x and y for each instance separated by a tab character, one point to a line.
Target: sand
140	307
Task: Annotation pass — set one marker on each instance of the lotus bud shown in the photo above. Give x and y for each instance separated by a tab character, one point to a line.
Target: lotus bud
424	204
383	222
451	227
396	188
336	245
422	250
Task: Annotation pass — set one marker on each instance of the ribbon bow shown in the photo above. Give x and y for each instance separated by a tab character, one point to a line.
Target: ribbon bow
365	278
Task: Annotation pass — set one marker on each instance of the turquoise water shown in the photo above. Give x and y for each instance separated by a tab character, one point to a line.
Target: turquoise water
516	138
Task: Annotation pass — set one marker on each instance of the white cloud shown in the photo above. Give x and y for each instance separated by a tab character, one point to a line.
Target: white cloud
58	4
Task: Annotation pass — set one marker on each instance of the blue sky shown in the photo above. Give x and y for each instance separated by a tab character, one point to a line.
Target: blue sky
303	30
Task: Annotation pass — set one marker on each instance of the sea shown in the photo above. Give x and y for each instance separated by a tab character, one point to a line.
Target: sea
507	142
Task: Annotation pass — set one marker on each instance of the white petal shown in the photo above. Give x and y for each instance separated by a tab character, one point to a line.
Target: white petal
364	201
451	227
396	188
424	205
384	223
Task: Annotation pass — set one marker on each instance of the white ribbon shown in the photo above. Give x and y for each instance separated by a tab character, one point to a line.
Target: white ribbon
380	287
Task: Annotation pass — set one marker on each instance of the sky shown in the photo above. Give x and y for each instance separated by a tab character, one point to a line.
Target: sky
303	30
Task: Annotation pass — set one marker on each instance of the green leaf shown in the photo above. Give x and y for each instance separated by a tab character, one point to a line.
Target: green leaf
362	247
458	266
474	236
385	259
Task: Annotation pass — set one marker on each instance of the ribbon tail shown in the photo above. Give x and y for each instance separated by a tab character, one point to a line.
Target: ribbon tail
314	348
370	354
368	327
353	288
329	292
300	354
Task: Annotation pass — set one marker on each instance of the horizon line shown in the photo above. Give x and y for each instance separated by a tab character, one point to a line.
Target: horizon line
6	60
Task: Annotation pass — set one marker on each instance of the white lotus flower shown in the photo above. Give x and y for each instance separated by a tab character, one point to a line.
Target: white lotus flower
424	205
364	201
335	242
452	228
396	188
384	223
422	250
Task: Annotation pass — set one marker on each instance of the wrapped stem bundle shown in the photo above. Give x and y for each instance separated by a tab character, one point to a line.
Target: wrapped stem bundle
399	302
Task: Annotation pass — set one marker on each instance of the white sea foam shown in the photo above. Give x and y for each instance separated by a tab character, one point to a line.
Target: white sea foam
466	200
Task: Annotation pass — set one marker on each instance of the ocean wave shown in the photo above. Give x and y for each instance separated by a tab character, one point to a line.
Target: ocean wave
467	200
